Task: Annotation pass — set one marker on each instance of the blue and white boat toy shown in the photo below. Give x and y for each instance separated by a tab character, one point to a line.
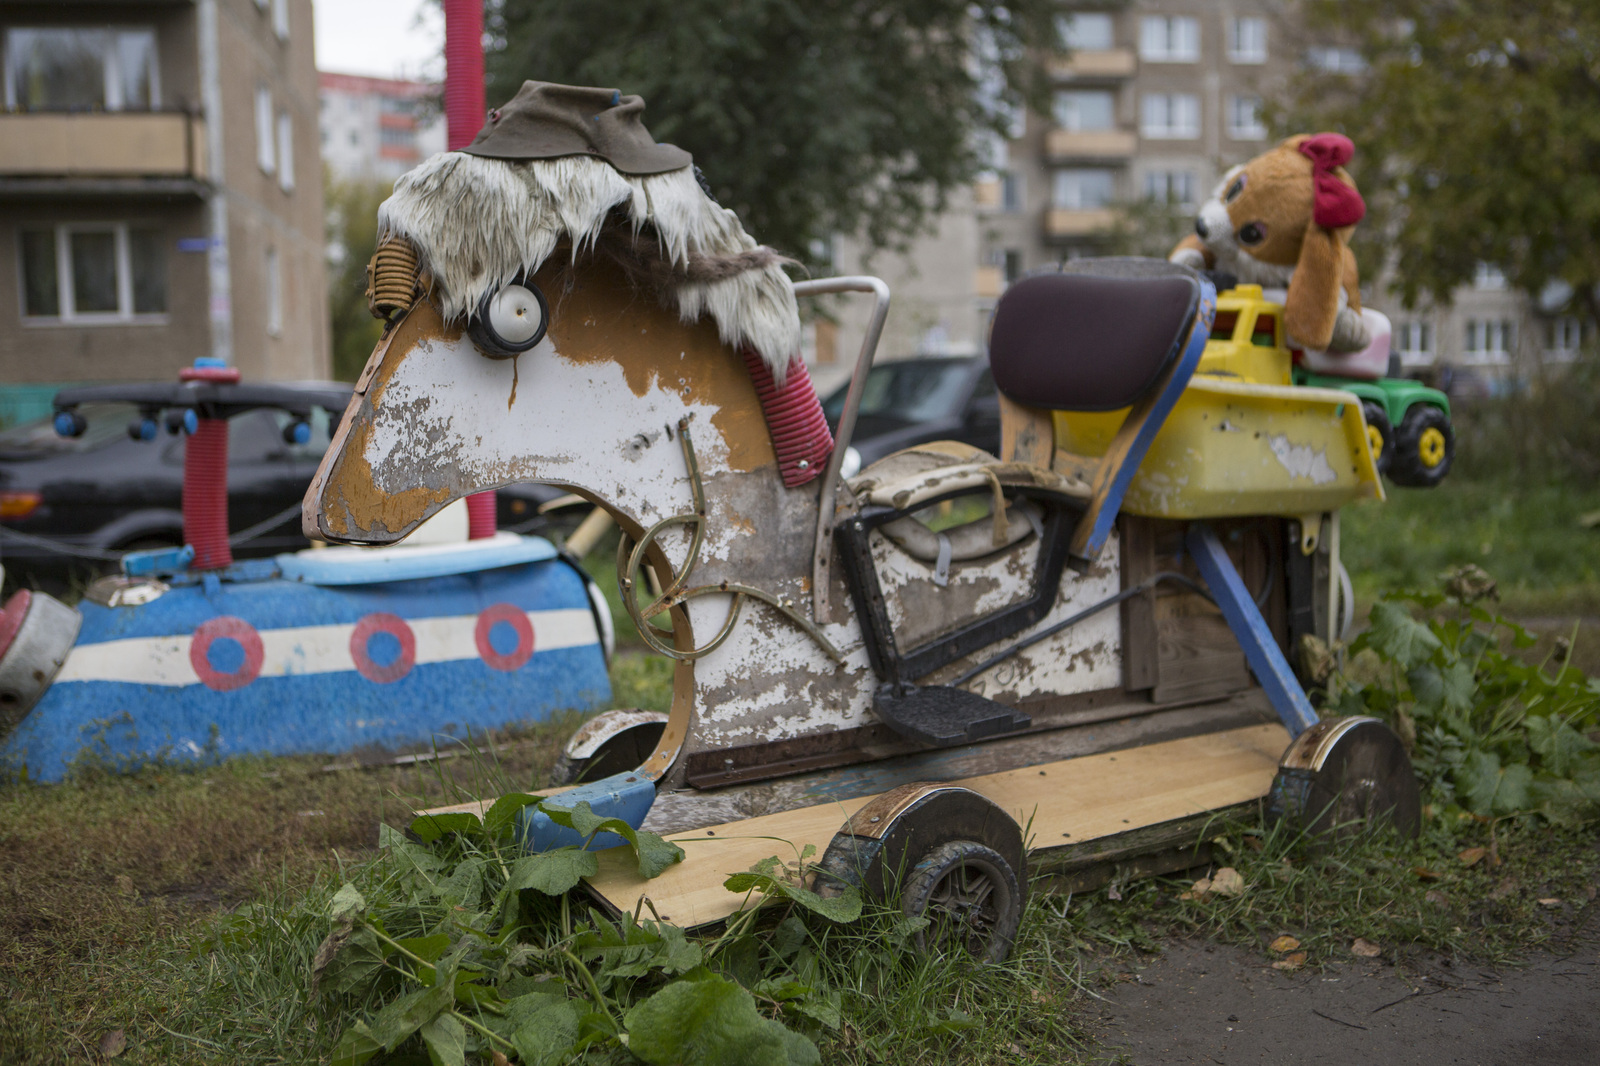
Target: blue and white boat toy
189	653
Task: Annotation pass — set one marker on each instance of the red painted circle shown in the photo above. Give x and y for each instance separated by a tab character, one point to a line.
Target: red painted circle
370	626
226	627
518	620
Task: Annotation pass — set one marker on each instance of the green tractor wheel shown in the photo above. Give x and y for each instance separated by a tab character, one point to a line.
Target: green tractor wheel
1424	447
1380	434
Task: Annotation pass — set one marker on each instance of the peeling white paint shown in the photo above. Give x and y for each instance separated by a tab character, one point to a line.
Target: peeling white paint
1302	460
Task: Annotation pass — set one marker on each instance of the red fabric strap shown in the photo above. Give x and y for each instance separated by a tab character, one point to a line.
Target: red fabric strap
1335	204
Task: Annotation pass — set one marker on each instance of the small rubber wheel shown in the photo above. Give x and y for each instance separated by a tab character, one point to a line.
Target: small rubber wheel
971	898
1424	448
628	749
1344	776
1380	435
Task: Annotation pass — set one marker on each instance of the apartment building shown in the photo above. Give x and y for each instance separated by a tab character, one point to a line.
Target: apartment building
1154	100
375	129
160	193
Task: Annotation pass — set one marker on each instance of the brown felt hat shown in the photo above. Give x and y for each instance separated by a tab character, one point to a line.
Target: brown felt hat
545	121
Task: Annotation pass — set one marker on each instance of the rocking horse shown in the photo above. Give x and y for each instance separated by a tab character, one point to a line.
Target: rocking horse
566	303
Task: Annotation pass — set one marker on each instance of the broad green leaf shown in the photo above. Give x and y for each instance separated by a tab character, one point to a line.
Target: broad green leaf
501	817
712	1022
395	1022
654	853
431	827
356	1046
464	886
446	1040
1397	636
552	872
346	903
519	1009
429	948
1565	802
845	907
823	1007
954	1022
351	962
1451	688
790	936
1487	788
1557	744
547	1034
409	853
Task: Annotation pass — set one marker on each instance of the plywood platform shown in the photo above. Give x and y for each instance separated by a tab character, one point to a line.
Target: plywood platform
1067	802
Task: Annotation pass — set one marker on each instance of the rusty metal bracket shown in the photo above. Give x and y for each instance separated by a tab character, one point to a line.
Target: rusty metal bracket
631	561
822	550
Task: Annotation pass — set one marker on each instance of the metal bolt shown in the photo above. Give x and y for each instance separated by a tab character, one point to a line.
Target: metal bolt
804	464
874	818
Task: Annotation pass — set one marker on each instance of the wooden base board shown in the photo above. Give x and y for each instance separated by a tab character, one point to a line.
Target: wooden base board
1068	802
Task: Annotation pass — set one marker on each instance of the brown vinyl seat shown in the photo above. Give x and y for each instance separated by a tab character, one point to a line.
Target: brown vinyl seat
1095	335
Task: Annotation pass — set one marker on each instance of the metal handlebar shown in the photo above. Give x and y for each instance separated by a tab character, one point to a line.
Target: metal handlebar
822	555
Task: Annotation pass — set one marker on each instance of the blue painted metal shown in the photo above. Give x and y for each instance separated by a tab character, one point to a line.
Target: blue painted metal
245	661
1261	649
1106	517
627	796
157	561
353	566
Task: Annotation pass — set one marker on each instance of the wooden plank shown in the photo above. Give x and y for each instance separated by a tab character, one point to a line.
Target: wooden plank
1199	659
1140	650
1078	799
1027	434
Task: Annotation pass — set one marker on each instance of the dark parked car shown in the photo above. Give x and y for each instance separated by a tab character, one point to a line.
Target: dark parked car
912	401
105	490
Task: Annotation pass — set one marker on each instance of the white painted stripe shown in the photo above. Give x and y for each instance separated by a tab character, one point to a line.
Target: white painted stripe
311	649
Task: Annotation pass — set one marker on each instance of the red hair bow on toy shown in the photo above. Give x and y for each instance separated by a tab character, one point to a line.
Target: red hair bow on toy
1335	204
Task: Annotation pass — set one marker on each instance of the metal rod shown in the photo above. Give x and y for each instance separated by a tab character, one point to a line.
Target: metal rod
822	557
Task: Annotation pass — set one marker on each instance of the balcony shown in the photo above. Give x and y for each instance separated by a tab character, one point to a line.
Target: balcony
988	283
1061	222
1091	144
1110	63
133	151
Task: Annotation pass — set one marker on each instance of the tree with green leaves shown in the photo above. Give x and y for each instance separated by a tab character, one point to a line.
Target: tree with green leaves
351	219
1477	131
807	119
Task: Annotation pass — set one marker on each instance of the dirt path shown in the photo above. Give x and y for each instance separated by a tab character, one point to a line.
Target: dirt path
1206	1003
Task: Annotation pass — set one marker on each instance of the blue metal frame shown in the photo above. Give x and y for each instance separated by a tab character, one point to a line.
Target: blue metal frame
1261	649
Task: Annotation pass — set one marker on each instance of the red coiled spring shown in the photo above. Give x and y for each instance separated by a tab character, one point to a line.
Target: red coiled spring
799	430
205	494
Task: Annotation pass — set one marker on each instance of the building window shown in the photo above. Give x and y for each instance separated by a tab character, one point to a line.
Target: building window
1247	40
1170	116
102	272
1490	340
280	19
1331	60
1174	187
274	294
1414	342
1563	337
1244	119
1087	32
1011	264
1083	188
266	156
285	152
1169	40
1083	110
71	69
1011	195
1487	277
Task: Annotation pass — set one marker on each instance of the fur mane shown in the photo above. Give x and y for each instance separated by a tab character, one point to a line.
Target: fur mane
477	223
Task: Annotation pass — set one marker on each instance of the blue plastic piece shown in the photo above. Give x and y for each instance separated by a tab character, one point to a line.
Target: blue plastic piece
148	430
627	796
209	362
1261	649
158	561
340	567
300	433
191	422
69	424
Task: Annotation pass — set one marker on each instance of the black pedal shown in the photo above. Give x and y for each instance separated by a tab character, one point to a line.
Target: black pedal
941	716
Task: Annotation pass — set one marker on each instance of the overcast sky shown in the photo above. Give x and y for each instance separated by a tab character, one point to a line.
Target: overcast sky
380	38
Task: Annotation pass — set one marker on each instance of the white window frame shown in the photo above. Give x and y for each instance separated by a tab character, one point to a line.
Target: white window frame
1247	39
1065	25
1256	130
1488	277
280	19
66	314
1335	59
1168	131
1058	183
1012	181
112	61
274	269
1490	341
1564	339
1158	187
1060	112
1413	342
285	152
266	132
1161	39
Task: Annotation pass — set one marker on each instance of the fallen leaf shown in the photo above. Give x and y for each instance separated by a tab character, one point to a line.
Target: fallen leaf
1227	882
113	1043
125	885
1506	886
1591	891
498	1059
1550	902
1254	843
1365	948
1437	897
1291	962
1113	891
1190	895
1424	873
1284	943
1472	856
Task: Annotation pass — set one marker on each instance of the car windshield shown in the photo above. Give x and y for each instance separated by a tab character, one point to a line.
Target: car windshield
911	391
106	422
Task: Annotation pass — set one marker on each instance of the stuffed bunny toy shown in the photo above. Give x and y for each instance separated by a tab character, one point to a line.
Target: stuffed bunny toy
1282	221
